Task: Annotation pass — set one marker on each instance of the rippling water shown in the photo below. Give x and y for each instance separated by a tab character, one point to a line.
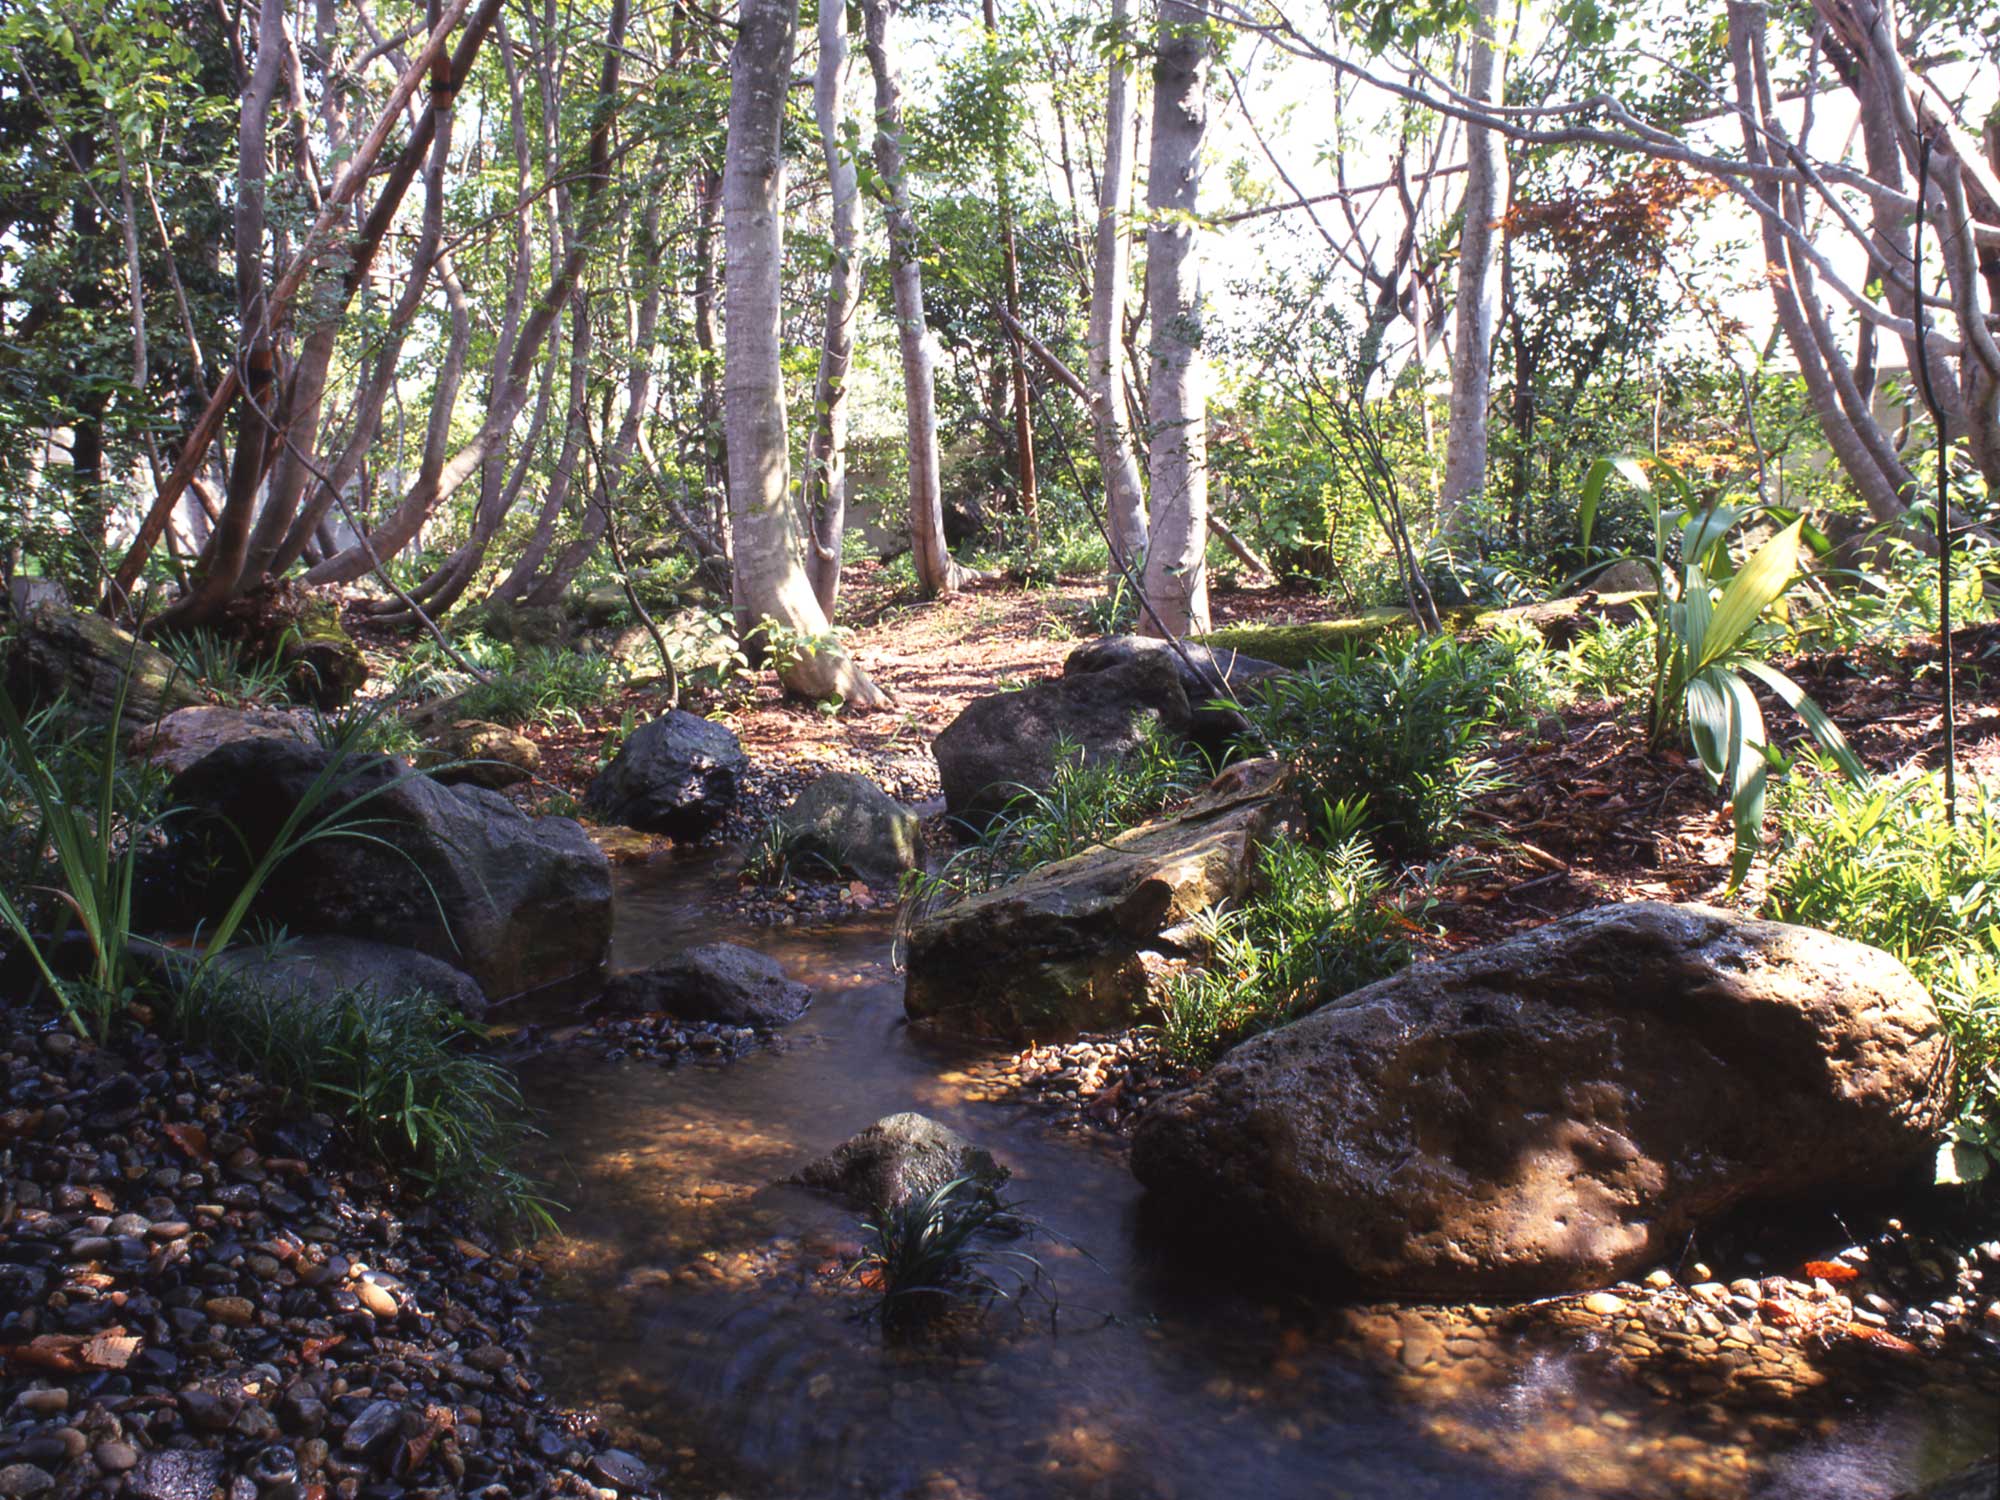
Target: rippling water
702	1305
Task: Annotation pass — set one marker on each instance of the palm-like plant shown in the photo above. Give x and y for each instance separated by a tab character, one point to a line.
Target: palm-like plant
1709	633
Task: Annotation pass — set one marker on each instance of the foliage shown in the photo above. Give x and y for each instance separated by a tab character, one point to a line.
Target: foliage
1323	922
547	685
398	1067
1613	659
1708	636
1399	727
1884	865
225	667
930	1253
97	840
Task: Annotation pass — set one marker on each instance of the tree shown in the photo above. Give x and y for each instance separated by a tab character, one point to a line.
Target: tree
1176	579
1124	495
770	579
826	476
937	571
1478	298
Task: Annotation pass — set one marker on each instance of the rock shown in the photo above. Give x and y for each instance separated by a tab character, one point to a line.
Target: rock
1562	1109
1627	575
25	1479
1082	944
718	982
1981	1481
600	606
175	1474
81	658
967	519
323	966
898	1158
676	775
621	1470
323	665
1205	675
115	1457
851	825
1005	742
1603	1305
458	873
187	734
472	752
371	1433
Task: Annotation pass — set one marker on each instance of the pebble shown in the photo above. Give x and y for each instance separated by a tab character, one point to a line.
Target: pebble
25	1479
1604	1305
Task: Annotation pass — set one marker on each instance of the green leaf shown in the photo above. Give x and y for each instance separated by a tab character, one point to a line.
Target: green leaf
1960	1163
1823	728
1750	593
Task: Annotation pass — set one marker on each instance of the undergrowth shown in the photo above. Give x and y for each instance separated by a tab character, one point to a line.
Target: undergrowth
1881	864
934	1254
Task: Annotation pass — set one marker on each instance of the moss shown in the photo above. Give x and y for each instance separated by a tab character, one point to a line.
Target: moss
1297	646
326	667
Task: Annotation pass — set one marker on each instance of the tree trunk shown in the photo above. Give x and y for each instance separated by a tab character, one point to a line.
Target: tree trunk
1478	298
1124	494
1176	581
826	476
770	579
937	572
1024	426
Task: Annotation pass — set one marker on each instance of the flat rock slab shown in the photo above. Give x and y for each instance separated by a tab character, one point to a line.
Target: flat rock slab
1560	1110
1082	944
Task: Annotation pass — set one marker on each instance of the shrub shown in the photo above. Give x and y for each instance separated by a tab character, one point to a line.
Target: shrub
1881	864
1322	923
546	686
1611	660
1401	725
398	1068
227	669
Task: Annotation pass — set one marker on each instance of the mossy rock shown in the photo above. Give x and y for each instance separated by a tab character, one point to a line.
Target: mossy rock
1559	620
323	666
80	658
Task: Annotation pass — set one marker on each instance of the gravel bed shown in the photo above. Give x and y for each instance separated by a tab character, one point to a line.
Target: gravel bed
201	1294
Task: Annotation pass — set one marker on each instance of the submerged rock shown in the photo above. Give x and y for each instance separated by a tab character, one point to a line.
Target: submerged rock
676	775
1563	1108
1003	743
851	825
898	1158
1082	944
721	982
459	873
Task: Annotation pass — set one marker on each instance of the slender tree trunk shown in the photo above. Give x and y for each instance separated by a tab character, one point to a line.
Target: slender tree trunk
1478	301
937	572
1024	426
826	475
1176	580
770	579
1124	493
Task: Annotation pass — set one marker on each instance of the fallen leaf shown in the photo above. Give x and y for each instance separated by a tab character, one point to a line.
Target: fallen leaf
192	1139
1831	1270
314	1348
111	1350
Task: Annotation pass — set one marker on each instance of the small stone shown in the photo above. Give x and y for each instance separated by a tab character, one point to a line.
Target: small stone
115	1457
44	1401
373	1429
231	1312
1603	1305
616	1467
25	1479
1659	1281
377	1299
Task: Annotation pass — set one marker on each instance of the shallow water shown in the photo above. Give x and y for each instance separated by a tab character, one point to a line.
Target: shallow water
705	1308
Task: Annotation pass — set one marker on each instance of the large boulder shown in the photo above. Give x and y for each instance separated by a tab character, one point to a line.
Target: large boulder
851	825
456	872
678	775
898	1158
721	982
1084	944
1206	674
1008	741
83	660
1559	1110
322	968
187	734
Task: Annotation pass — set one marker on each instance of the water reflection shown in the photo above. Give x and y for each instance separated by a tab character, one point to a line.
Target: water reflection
705	1306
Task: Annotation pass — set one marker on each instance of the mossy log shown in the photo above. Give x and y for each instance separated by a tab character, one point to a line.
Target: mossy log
80	659
1559	620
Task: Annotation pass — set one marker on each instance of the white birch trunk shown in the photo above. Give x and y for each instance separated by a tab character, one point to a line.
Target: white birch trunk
937	573
770	580
1176	581
826	481
1124	494
1477	310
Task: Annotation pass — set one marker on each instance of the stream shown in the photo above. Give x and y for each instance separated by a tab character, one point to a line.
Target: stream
704	1309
